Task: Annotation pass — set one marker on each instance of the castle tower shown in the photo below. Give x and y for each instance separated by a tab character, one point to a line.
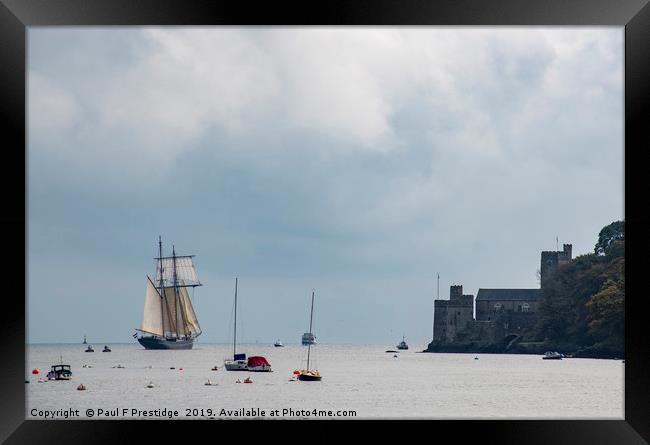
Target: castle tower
453	315
551	260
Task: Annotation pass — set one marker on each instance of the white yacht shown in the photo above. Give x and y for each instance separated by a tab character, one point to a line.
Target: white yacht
238	362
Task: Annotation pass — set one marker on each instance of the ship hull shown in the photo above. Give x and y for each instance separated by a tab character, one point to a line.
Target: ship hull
161	343
309	378
260	368
236	365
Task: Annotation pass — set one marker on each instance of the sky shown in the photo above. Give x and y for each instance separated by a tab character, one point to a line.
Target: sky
359	162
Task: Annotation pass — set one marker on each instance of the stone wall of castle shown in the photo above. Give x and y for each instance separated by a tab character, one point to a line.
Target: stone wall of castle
487	310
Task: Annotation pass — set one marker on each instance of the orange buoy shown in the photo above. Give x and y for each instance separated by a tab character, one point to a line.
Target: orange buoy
34	371
180	369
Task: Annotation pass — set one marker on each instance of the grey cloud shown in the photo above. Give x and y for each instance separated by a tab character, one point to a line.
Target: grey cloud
459	151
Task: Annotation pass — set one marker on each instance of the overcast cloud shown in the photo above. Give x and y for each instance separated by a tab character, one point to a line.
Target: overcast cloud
357	161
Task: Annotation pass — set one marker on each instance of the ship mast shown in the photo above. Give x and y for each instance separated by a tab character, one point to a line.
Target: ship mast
179	318
176	296
162	284
234	337
311	317
434	310
162	290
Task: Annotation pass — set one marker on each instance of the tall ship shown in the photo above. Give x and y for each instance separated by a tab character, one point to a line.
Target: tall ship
169	320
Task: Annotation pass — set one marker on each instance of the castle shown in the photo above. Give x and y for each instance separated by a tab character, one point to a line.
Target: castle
500	313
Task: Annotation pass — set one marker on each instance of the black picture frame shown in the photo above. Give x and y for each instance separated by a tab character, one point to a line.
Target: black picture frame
634	15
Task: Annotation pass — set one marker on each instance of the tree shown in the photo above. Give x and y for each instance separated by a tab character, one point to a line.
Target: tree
582	305
613	232
607	315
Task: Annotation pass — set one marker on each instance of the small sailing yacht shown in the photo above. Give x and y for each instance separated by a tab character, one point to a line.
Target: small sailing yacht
307	374
238	363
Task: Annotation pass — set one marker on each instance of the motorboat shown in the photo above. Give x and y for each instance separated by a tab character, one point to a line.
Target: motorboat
402	344
308	339
552	355
59	372
106	349
89	349
278	344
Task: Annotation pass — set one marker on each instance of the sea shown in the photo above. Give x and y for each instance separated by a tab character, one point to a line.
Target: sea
359	382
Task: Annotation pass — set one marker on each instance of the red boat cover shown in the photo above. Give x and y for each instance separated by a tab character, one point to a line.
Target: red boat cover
257	361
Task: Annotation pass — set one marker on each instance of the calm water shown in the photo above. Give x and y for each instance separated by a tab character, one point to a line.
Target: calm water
361	378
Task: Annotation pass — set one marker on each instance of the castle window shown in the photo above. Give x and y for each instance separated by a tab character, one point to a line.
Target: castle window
498	307
525	307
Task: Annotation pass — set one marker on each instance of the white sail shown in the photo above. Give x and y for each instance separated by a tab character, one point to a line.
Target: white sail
178	316
152	319
189	316
169	312
185	272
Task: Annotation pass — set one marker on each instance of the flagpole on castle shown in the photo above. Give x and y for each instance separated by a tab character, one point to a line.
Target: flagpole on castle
434	311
